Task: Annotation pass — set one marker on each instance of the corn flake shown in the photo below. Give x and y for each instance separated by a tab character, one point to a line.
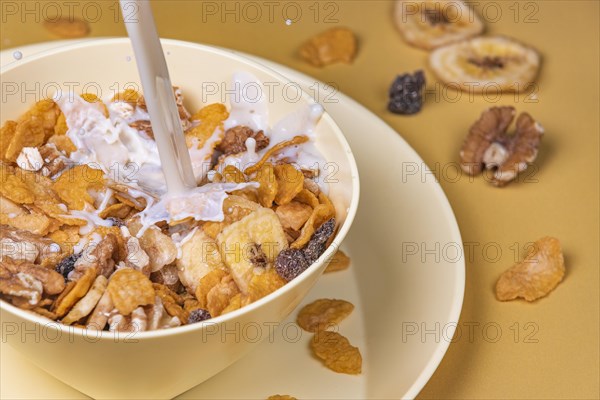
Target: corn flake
233	175
7	132
263	284
323	314
536	276
338	262
63	143
235	303
117	210
336	352
72	185
129	96
267	189
207	282
296	140
61	127
211	117
293	215
219	297
28	133
130	289
34	223
290	182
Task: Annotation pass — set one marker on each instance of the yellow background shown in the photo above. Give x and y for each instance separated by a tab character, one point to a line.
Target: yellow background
549	349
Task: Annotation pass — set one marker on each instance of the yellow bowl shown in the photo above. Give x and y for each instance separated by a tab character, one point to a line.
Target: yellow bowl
165	363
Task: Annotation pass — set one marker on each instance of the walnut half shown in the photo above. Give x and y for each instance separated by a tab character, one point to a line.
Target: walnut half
488	145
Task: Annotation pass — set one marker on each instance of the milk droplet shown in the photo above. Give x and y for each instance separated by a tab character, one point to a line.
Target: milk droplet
17	55
288	22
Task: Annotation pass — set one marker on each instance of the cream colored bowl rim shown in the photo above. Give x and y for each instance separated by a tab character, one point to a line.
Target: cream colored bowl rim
341	234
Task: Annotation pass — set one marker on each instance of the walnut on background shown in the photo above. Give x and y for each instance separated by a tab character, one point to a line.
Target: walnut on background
489	145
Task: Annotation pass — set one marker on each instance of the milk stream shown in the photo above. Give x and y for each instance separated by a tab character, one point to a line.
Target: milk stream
160	101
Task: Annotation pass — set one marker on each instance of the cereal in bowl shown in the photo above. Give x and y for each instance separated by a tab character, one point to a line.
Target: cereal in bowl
90	238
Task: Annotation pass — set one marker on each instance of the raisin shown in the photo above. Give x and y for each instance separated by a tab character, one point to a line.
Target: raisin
290	263
406	93
318	243
198	315
67	265
118	222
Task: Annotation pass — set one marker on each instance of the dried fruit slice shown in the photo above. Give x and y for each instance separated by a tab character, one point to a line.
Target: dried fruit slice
199	255
486	64
238	241
323	314
336	352
429	24
536	276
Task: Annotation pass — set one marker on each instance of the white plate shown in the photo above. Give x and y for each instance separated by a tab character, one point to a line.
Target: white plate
407	280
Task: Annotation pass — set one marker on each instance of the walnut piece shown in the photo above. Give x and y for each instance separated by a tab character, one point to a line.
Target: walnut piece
235	138
488	145
103	257
53	160
22	245
26	281
30	159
